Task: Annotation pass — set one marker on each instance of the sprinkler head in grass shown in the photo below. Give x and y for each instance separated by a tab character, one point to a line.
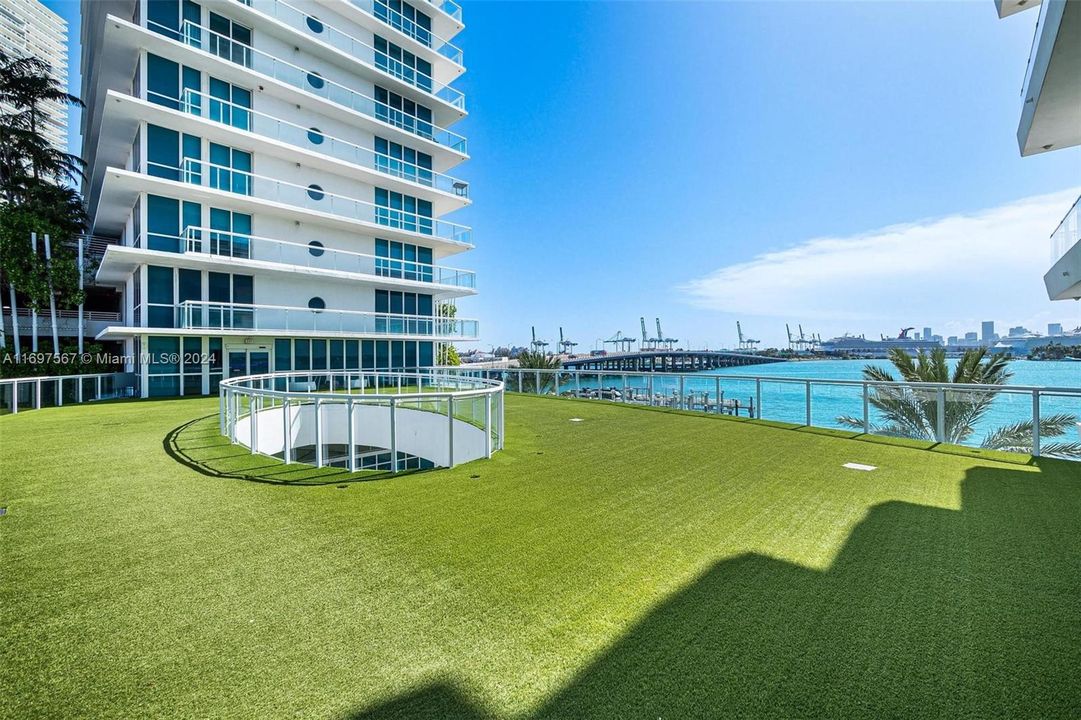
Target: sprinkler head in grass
474	477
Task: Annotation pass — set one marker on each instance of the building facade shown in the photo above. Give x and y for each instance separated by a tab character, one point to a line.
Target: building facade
29	29
275	176
1051	117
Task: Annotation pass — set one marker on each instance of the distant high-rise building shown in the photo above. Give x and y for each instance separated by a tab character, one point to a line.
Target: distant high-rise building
971	337
927	334
951	340
987	330
29	29
1054	328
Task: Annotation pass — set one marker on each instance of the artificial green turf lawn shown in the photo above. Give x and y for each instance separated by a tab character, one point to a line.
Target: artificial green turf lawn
637	564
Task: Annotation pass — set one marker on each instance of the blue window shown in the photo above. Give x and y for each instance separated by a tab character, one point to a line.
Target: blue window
172	18
352	354
315	137
316	80
403	260
165	229
229	40
283	354
315	192
173	156
319	354
159	296
401	112
402	64
189	284
403	162
403	211
230	104
315	248
164	81
337	354
230	169
367	357
317	303
234	238
314	24
406	18
302	355
426	354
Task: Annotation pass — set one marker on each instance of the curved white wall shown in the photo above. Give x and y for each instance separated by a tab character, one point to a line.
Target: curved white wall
421	433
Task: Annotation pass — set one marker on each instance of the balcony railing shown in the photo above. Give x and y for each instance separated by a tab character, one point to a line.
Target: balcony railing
198	315
311	82
268	126
404	25
1067	234
208	241
312	197
294	17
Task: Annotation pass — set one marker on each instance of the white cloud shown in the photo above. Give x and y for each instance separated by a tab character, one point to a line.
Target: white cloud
947	272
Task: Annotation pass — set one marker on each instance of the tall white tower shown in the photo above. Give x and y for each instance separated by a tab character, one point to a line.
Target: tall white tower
276	176
29	29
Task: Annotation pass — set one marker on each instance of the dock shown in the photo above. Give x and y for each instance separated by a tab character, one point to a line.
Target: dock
661	361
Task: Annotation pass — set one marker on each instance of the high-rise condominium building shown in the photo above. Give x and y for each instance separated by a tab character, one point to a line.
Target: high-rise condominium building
276	176
29	29
987	330
1054	328
1051	118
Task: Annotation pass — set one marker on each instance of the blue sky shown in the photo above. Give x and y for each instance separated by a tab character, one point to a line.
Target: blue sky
707	162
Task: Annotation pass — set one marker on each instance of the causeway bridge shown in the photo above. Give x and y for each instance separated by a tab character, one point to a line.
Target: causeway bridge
683	361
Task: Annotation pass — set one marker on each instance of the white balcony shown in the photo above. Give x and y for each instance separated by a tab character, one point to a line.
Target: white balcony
206	248
1063	280
1051	114
446	22
373	63
205	39
236	318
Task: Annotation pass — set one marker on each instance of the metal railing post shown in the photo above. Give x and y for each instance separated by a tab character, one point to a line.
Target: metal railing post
488	425
287	434
758	398
866	410
253	422
1035	423
450	431
717	399
940	414
681	398
393	434
538	387
351	435
37	395
808	402
97	388
577	383
318	434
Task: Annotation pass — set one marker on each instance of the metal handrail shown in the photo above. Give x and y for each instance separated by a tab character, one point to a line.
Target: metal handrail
483	386
193	34
365	53
413	31
220	177
204	240
244	119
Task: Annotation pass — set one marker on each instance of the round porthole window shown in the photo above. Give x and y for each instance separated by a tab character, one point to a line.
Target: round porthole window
315	192
316	80
315	25
315	136
316	248
316	303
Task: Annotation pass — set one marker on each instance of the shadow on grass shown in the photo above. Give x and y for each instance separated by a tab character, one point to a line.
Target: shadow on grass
925	612
199	445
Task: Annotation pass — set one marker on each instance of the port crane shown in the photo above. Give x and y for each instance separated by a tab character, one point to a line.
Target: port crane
668	342
791	342
565	346
620	341
744	343
537	345
648	343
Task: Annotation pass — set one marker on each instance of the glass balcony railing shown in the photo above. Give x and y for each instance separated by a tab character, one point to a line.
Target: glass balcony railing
198	315
313	197
268	126
383	12
1067	234
294	17
208	241
311	82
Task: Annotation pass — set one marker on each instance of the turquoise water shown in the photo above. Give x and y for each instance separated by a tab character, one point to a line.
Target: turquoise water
787	401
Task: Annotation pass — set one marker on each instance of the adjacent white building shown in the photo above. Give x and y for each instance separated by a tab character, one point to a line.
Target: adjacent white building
1051	118
277	176
29	29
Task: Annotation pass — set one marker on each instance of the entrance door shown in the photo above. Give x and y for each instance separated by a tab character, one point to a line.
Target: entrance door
244	361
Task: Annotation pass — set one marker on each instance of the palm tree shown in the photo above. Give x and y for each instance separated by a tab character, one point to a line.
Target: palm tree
914	412
532	382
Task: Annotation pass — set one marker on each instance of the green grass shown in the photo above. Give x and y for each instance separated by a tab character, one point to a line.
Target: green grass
641	563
